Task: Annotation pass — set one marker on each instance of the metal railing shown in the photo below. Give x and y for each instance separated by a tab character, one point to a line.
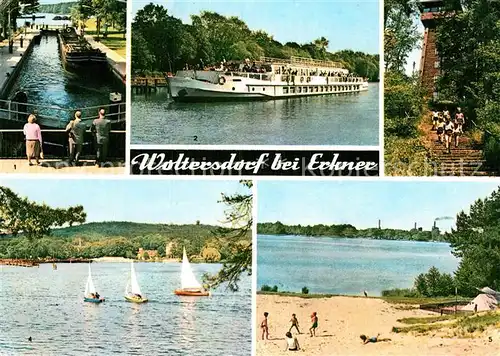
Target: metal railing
302	61
19	111
56	144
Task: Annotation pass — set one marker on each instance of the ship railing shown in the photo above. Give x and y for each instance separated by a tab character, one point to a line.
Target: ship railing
259	76
55	144
303	62
19	111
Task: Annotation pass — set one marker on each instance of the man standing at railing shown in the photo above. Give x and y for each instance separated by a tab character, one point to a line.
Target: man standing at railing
76	130
101	127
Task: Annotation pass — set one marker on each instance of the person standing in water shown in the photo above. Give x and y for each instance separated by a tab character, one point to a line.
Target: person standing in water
295	323
314	320
264	327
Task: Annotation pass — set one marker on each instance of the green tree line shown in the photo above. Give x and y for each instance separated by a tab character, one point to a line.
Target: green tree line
476	241
63	8
349	231
404	102
161	42
468	44
123	239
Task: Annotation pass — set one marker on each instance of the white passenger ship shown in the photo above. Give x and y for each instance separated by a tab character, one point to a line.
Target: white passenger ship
270	78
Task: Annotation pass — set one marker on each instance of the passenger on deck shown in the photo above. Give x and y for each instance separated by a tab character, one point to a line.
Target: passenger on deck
97	295
101	127
76	130
33	136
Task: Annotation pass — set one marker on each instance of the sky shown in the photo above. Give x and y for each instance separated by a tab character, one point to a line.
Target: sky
399	204
136	200
347	24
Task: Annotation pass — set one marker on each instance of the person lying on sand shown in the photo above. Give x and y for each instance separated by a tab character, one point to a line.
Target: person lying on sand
292	344
264	327
295	323
372	339
314	320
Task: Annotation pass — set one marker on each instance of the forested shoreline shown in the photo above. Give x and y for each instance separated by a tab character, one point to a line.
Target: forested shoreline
349	231
163	43
122	239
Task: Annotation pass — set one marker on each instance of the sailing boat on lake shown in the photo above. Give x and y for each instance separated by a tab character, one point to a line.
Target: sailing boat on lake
189	284
91	295
133	291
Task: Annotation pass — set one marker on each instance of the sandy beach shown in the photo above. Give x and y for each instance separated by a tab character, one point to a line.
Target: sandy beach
112	259
343	319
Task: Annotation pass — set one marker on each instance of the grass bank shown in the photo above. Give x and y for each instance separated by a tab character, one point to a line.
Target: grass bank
451	325
115	40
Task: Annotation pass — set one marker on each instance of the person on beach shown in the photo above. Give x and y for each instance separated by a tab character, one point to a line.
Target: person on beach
373	339
264	327
292	344
448	134
295	323
100	128
76	130
33	136
314	320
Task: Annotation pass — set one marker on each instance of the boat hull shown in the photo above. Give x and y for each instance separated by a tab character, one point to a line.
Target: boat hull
93	300
191	293
135	299
185	89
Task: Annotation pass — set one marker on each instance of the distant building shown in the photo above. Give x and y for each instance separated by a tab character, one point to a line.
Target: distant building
150	254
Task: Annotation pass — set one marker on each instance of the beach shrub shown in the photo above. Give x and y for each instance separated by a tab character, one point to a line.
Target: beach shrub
397	292
265	288
305	290
274	289
434	283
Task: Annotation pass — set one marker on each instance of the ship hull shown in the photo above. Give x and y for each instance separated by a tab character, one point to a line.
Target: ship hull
186	89
191	293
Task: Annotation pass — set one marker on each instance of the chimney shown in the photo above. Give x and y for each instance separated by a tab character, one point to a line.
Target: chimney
379	224
415	225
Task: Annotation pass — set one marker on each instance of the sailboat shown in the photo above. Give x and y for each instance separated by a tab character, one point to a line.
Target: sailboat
189	284
133	291
91	295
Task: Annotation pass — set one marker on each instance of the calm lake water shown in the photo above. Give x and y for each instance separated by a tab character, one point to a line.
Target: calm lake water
346	266
319	120
48	83
47	305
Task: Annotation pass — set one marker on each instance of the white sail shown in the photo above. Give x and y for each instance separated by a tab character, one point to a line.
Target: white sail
89	287
133	285
188	279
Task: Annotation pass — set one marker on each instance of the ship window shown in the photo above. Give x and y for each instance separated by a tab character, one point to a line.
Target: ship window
233	88
311	89
299	90
305	89
316	89
263	89
236	80
292	90
253	89
285	90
